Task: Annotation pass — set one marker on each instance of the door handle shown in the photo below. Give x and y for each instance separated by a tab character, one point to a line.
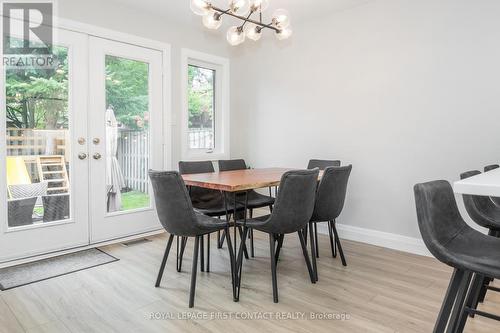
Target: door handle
82	156
97	156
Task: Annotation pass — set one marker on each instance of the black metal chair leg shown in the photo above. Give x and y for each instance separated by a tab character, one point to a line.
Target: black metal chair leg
451	293
313	252
252	249
218	240
312	274
273	267
194	271
316	239
208	253
181	255
305	233
332	242
280	239
202	254
337	241
473	291
164	260
475	301
177	253
459	302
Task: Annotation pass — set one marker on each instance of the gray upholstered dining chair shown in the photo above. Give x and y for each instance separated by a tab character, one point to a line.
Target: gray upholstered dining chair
453	242
330	198
178	217
252	199
205	201
320	164
292	211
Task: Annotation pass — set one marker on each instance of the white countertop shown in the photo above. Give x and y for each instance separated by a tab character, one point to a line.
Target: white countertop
487	183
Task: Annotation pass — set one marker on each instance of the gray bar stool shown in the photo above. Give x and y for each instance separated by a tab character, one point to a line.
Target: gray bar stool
453	242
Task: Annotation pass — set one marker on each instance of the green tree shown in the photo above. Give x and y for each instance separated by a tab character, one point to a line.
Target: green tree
127	85
200	96
37	98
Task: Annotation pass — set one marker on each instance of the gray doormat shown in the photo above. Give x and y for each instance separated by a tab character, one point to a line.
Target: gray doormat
21	275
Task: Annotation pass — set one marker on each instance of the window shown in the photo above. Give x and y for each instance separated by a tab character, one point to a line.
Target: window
205	118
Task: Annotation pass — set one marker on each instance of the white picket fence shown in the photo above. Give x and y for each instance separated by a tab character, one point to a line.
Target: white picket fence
201	138
133	156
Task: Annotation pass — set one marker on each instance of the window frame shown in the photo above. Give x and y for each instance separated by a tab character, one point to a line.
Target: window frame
221	105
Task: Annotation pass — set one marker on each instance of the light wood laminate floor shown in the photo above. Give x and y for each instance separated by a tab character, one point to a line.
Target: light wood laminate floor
381	290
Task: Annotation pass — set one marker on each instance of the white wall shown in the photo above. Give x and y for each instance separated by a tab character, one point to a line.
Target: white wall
179	34
407	91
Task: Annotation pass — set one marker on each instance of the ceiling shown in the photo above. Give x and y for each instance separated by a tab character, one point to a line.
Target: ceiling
300	10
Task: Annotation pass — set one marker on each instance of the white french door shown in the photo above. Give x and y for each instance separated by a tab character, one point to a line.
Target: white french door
126	130
77	144
43	196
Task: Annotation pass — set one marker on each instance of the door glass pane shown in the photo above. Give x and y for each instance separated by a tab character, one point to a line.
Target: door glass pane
127	134
38	150
201	105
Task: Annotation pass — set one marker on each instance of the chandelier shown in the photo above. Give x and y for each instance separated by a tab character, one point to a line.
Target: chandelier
243	10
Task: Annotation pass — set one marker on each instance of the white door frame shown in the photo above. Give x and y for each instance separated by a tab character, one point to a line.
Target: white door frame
91	30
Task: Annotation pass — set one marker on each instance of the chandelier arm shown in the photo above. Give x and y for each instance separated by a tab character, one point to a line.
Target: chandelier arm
246	20
243	18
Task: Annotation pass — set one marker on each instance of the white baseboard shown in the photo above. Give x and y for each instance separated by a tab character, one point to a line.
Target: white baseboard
379	238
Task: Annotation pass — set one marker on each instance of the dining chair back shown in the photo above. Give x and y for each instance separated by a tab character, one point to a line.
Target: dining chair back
173	204
491	167
322	164
331	193
231	165
295	202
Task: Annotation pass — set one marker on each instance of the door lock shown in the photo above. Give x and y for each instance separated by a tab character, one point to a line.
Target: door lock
97	156
82	156
81	141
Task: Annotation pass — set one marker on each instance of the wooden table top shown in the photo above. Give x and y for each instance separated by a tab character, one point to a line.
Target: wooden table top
238	180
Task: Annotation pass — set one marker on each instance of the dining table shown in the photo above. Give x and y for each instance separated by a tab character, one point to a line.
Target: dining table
487	184
231	183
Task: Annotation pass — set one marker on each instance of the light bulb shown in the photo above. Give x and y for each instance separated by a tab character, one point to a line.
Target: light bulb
281	18
284	33
235	36
254	32
239	7
212	20
259	5
199	7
